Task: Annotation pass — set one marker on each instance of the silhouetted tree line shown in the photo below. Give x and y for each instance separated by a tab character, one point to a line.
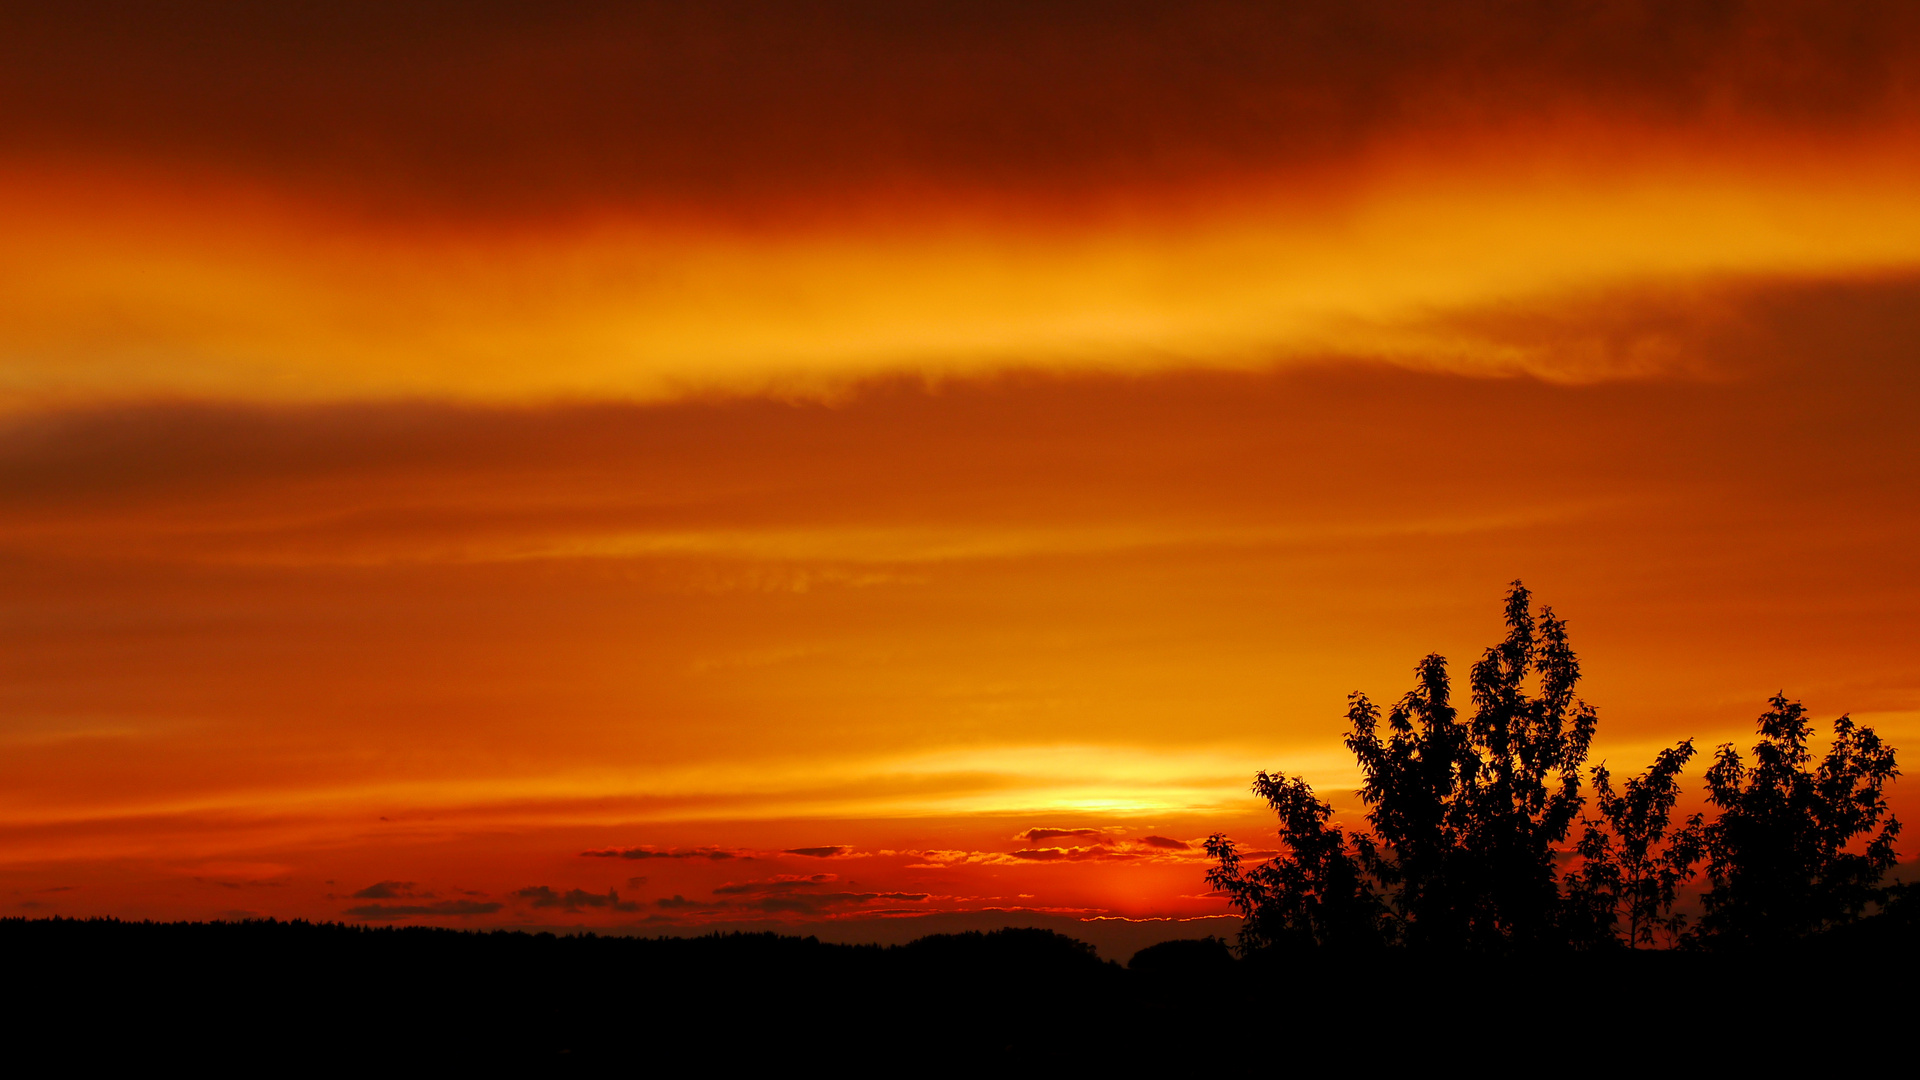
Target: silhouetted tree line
278	997
273	994
1471	842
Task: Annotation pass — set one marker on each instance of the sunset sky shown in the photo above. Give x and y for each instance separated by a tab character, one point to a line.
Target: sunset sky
876	468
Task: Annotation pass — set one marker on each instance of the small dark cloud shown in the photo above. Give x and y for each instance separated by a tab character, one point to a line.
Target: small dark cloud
794	904
387	890
676	902
805	903
1079	854
1034	836
443	907
31	904
1164	842
574	899
636	882
793	894
783	884
819	852
714	854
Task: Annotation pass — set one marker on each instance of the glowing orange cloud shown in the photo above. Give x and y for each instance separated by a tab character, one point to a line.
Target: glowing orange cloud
195	298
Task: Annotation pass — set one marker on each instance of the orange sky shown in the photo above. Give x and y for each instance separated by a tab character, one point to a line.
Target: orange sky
796	453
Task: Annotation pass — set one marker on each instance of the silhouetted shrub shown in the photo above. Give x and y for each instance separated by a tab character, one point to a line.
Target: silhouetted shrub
1188	958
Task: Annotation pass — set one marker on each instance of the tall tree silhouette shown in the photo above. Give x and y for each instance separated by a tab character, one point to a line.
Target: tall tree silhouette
1465	815
1777	854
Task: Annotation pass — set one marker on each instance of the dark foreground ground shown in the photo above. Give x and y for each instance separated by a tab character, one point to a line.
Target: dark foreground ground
275	996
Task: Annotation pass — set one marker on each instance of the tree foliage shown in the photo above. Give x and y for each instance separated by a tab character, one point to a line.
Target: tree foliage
1468	821
1317	894
1778	855
1465	815
1629	867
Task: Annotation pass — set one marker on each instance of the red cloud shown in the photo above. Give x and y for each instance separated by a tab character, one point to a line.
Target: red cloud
1034	836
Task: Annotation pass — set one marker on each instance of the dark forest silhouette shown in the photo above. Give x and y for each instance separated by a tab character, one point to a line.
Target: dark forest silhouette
1468	818
271	995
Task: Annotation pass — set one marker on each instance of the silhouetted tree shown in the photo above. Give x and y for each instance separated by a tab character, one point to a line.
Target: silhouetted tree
1316	895
1778	855
1629	866
1465	815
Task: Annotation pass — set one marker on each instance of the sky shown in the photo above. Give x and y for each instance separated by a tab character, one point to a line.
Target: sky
875	468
